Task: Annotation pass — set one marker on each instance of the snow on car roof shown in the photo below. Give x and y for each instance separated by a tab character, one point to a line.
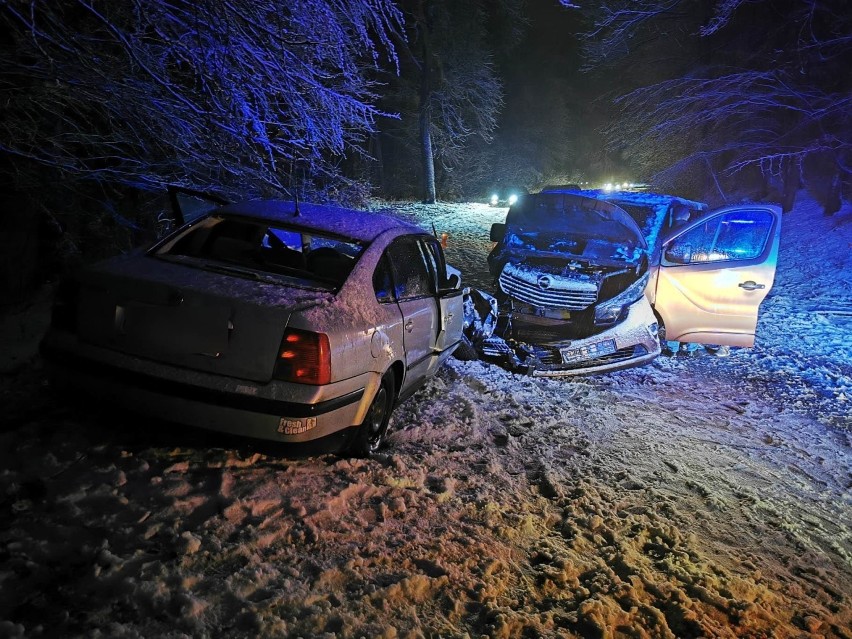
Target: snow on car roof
358	225
640	198
659	203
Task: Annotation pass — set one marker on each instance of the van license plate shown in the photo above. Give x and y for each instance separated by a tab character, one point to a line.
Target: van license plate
591	351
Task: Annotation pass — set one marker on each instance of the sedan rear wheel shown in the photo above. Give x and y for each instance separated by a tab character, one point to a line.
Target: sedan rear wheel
371	434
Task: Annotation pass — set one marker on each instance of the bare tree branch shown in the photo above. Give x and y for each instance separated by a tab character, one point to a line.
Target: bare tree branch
223	94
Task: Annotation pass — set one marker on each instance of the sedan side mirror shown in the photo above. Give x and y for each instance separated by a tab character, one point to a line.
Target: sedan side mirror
451	285
498	231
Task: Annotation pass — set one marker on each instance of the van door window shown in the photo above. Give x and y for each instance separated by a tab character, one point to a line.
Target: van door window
737	235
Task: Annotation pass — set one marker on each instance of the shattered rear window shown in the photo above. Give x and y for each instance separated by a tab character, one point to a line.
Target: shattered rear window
266	248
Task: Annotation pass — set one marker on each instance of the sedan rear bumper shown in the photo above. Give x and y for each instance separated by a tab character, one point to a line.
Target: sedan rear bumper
277	411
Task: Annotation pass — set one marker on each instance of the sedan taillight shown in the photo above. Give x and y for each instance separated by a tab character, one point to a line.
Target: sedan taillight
304	357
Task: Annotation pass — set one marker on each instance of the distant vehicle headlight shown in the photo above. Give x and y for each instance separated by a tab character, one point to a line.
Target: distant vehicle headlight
610	311
512	199
494	199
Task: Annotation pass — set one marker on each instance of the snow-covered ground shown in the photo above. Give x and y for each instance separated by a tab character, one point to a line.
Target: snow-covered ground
698	496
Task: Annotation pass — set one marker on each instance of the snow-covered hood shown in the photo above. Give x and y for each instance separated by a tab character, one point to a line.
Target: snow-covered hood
564	222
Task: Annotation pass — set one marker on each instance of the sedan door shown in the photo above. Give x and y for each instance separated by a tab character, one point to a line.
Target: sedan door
714	273
450	297
415	295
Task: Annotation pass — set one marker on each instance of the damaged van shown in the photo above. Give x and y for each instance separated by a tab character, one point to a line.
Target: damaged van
581	290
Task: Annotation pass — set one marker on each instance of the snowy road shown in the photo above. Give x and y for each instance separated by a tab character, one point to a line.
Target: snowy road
697	496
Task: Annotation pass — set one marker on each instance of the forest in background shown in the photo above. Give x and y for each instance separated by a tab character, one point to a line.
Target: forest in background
106	103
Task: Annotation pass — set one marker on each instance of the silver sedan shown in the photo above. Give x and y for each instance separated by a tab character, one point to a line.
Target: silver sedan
269	319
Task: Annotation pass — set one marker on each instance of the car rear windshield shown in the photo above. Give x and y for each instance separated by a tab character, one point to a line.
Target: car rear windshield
268	248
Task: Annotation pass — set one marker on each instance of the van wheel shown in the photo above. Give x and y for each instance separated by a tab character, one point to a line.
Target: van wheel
370	435
665	347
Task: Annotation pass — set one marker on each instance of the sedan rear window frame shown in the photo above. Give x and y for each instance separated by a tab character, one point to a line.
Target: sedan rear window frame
329	272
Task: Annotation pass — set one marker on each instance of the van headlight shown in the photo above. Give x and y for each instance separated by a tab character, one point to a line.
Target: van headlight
613	310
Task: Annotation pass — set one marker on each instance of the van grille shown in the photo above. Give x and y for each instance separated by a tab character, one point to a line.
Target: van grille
550	290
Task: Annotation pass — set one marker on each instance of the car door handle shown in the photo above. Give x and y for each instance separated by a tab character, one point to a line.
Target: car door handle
751	285
409	326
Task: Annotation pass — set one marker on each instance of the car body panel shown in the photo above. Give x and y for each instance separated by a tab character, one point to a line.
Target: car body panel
212	401
451	314
420	317
715	298
187	316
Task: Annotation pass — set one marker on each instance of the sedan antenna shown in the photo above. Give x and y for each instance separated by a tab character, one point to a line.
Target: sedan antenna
296	212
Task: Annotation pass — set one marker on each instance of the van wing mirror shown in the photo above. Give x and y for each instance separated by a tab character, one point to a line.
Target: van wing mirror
678	253
498	231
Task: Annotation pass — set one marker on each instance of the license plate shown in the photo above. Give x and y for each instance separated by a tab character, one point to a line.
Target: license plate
590	351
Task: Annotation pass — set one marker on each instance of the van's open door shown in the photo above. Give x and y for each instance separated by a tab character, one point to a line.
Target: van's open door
715	271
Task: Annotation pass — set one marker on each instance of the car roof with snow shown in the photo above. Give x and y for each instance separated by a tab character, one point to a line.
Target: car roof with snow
621	197
358	225
657	206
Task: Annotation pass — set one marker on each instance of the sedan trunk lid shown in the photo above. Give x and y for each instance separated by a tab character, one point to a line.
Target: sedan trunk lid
179	314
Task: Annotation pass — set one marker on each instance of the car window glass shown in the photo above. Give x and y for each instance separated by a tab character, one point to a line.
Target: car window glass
695	243
566	215
742	235
282	237
410	275
435	262
193	207
737	235
382	281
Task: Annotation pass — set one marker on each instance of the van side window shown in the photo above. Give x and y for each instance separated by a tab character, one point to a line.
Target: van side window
737	235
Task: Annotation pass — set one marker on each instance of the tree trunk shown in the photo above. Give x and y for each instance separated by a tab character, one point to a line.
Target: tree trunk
833	200
377	164
426	154
790	186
